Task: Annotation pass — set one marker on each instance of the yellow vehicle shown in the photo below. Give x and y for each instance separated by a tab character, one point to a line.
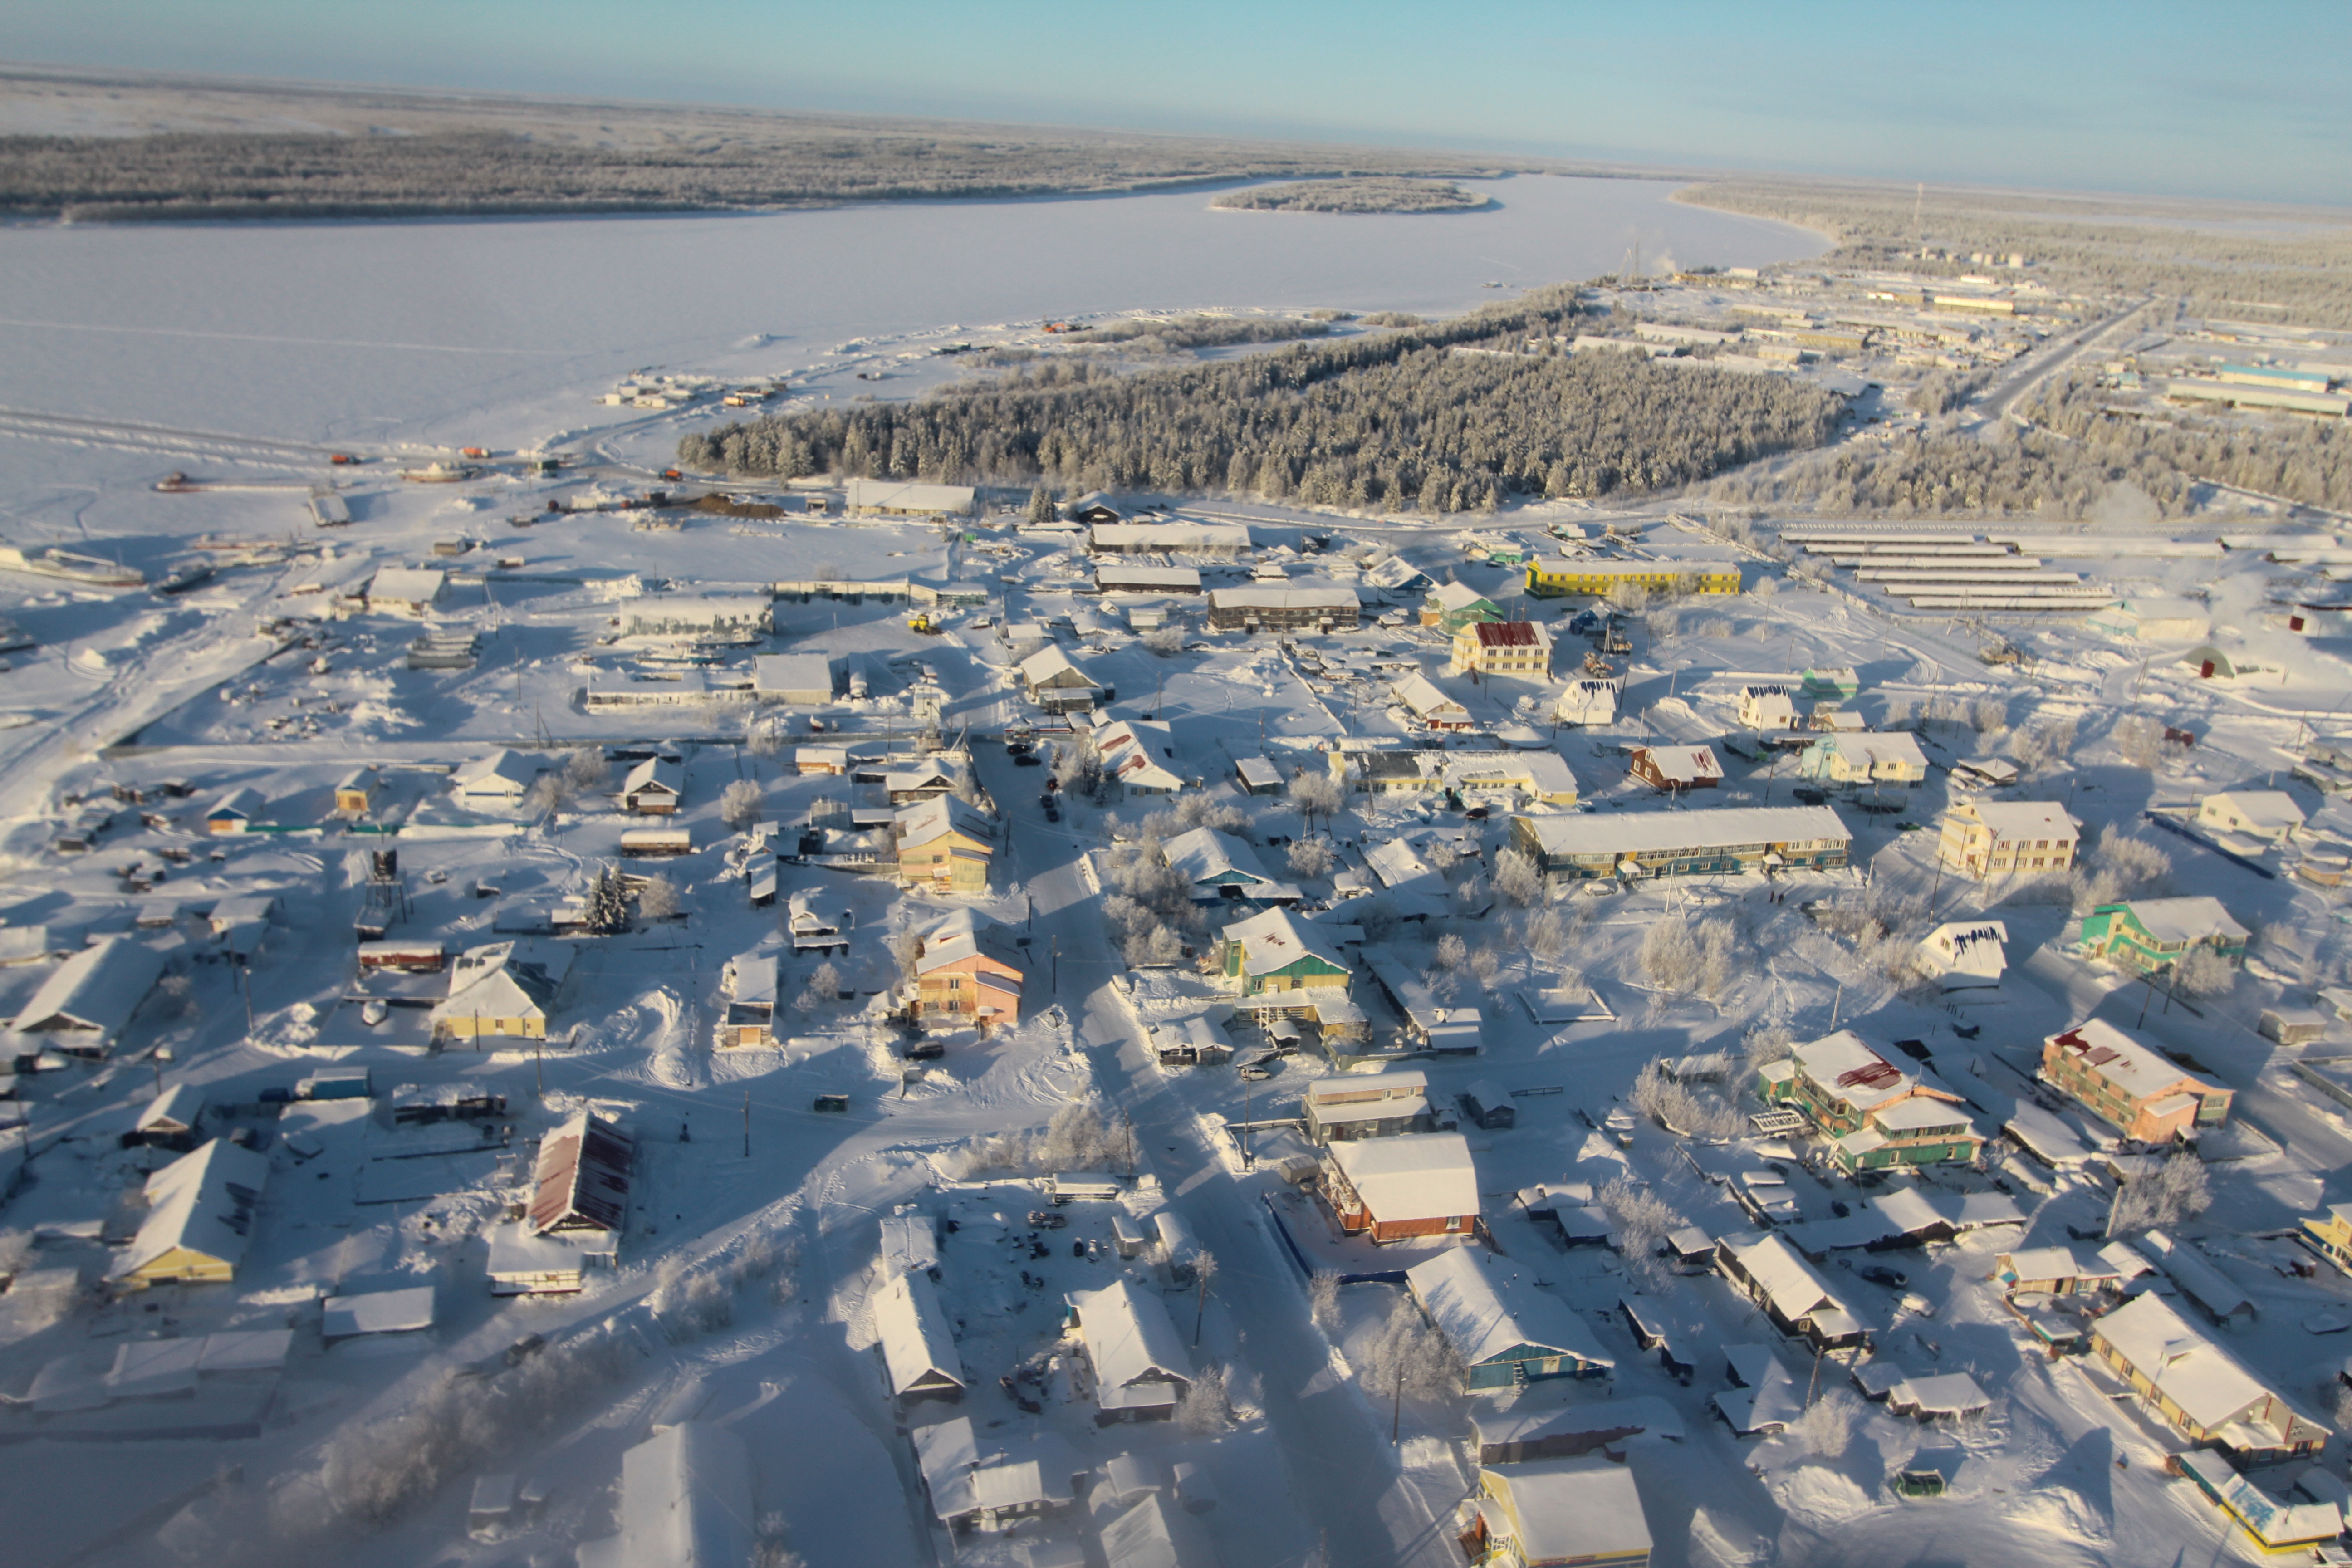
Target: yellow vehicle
920	621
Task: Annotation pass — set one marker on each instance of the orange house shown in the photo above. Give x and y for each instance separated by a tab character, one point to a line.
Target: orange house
967	974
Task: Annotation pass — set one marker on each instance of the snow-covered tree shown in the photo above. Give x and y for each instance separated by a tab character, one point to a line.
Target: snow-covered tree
1316	795
2204	972
1041	505
739	804
1167	641
1311	858
1411	1355
2175	1191
587	769
1826	1427
823	989
1323	1299
1452	952
1204	1406
1670	957
607	910
1719	957
658	898
1516	878
2140	740
548	793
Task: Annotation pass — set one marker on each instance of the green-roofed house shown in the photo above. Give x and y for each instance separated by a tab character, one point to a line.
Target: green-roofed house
1453	605
1841	685
2153	934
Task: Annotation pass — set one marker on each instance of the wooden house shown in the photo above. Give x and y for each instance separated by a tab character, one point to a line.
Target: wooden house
1984	839
1801	1303
1139	1363
918	1353
968	973
200	1210
1365	1105
1271	954
2131	1086
355	794
1674	768
944	845
1506	1331
1585	1511
2151	935
1419	1184
654	788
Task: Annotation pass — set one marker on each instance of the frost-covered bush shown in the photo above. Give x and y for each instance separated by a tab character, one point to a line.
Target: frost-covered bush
2175	1191
739	804
1826	1427
1516	878
1410	1355
1204	1405
1669	956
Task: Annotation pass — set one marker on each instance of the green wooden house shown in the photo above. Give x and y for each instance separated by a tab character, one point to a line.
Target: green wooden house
2153	934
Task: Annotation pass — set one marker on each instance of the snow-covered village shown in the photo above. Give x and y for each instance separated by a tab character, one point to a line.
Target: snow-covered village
821	924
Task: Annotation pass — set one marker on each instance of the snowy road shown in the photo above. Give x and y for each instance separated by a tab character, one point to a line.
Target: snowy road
1339	1464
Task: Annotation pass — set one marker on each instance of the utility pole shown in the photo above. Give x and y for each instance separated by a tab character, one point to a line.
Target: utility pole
1396	1409
746	1124
538	1056
1057	951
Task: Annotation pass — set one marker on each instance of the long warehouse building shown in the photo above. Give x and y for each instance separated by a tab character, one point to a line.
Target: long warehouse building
1685	843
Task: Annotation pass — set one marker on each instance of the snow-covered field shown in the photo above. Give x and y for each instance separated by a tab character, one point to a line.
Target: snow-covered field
745	1290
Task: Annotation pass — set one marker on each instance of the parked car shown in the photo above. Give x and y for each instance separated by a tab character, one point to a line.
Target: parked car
1027	759
1052	814
1048	1219
1879	1274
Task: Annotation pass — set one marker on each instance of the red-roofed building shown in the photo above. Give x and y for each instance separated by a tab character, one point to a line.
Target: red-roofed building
2136	1089
1521	649
581	1180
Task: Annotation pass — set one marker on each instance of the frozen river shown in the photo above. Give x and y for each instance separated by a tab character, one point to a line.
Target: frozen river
432	330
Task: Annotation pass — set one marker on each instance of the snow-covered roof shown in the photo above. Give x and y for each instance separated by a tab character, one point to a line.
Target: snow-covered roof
403	1311
504	773
1724	828
2199	1280
779	673
2079	1263
2035	819
1272	939
1138	1359
1396	865
1176	538
1585	1510
1132	750
1357	1086
176	1109
1459	597
1852	1070
1680	764
1155	1533
1048	664
955	941
1415	1176
1484	1307
406	584
97	989
2120	1058
1302	597
243	803
1207	855
1943	1394
967	1470
941	814
1796	1290
504	980
1113	579
1508	634
2192	918
1422	696
917	1347
655	775
201	1203
909	1241
1875	750
2209	1384
686	1503
2258	810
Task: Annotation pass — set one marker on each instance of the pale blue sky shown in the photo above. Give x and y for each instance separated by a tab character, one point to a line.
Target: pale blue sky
2242	100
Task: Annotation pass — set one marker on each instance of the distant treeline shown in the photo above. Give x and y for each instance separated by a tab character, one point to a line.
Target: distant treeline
2066	463
1198	332
2300	275
1401	420
1367	196
782	163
